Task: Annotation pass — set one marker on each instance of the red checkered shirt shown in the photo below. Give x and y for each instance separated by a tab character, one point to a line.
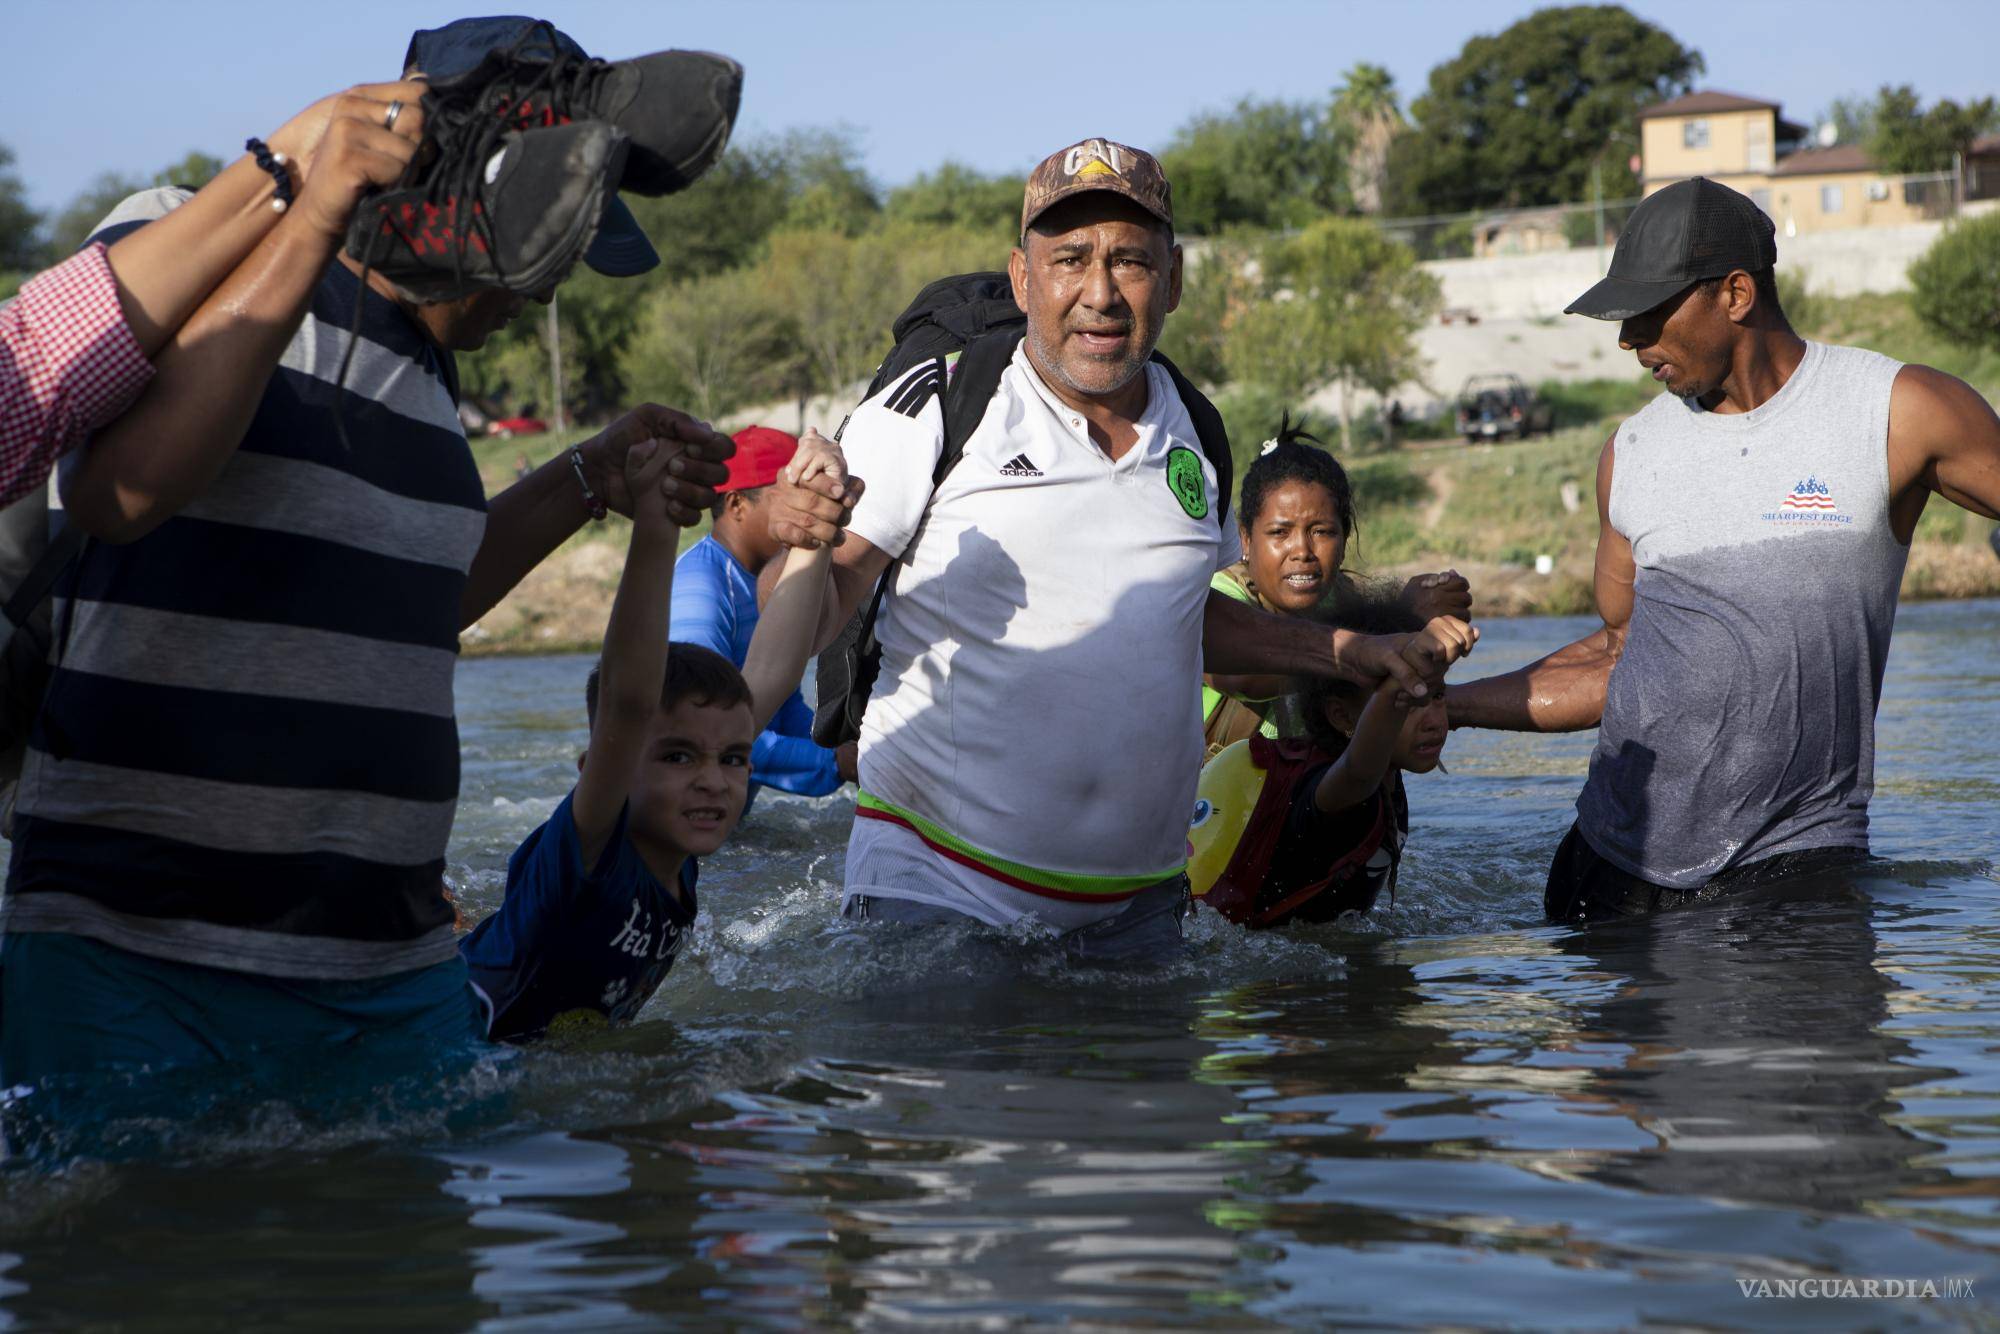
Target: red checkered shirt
68	364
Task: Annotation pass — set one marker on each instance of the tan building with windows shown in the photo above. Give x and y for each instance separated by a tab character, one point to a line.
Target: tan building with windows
1744	143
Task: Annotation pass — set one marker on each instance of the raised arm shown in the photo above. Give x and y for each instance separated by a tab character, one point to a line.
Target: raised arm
810	511
147	465
1359	771
633	665
167	268
1564	692
787	628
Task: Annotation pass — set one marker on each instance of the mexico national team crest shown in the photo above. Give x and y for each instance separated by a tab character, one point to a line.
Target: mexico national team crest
1184	479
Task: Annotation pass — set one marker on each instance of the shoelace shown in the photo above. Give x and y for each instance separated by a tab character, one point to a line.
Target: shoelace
467	114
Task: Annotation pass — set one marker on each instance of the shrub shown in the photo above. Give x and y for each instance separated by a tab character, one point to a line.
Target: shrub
1955	285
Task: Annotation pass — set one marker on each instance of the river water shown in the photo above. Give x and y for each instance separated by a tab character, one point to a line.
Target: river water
1459	1116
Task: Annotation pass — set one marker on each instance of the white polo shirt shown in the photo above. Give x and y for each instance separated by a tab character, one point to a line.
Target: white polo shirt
1033	742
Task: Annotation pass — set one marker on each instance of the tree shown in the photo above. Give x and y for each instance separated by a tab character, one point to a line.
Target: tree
1522	118
1217	287
1365	103
1345	306
1852	118
710	345
829	187
73	226
193	171
841	294
1955	285
957	196
20	224
1905	138
1263	165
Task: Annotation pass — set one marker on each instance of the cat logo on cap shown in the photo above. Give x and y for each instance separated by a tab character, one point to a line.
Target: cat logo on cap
1093	157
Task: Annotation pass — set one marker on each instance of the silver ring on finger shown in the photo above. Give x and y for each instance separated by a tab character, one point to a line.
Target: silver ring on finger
389	117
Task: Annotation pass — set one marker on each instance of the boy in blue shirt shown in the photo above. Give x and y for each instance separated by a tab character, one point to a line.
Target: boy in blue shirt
715	605
601	897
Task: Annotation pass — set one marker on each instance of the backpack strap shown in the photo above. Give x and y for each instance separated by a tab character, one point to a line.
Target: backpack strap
969	388
40	581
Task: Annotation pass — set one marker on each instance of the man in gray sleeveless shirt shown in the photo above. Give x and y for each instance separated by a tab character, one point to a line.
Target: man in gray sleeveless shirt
1754	523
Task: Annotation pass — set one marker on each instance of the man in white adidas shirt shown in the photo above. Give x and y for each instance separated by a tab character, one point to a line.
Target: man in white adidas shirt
1032	744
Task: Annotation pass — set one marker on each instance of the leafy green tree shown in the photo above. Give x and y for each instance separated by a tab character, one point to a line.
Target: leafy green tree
828	185
70	228
1906	138
1521	118
20	223
1216	288
1345	306
721	220
1365	105
1955	285
710	345
1852	118
955	195
194	171
841	294
1262	165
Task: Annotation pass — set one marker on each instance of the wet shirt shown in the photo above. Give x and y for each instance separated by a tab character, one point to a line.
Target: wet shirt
1034	738
569	938
247	756
715	605
1740	721
1314	840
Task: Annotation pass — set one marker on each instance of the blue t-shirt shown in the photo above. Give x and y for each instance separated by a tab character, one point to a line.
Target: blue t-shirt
715	605
566	939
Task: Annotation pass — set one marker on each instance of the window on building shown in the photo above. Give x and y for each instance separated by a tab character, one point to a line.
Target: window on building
1878	191
1694	134
1762	199
1830	198
1757	145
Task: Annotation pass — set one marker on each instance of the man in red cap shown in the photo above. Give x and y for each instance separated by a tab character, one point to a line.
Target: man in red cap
715	605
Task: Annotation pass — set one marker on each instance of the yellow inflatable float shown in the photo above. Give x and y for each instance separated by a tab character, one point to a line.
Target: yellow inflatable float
1230	784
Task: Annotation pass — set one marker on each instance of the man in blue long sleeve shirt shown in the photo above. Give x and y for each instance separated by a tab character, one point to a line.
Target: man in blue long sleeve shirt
715	605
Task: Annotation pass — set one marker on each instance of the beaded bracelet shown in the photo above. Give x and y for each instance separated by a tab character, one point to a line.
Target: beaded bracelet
274	163
598	509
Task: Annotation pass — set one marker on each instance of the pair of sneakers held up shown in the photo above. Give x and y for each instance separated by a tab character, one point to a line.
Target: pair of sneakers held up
524	151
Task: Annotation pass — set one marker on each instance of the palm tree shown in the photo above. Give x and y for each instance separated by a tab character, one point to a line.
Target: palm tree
1365	104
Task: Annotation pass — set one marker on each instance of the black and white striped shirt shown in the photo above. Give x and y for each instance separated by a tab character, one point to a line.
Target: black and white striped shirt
247	757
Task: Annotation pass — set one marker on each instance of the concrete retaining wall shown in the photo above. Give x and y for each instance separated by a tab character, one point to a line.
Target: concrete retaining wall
1840	263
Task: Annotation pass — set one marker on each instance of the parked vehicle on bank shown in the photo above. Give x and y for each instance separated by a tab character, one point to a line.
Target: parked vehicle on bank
1494	407
506	428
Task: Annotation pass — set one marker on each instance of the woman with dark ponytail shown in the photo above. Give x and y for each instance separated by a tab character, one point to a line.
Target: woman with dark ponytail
1296	512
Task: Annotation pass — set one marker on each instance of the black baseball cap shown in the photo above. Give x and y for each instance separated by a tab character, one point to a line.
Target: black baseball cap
1693	229
620	248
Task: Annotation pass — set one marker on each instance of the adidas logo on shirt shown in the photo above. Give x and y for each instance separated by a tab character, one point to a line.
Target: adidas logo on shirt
1019	466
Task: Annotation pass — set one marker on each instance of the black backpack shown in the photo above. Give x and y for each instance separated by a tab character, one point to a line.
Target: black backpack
974	315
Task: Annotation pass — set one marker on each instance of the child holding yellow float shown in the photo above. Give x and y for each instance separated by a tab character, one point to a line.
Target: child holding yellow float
1305	830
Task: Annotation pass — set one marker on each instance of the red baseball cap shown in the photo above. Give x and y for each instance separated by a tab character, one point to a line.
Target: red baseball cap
761	454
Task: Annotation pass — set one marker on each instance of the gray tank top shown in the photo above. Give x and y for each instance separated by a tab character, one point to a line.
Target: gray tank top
1740	722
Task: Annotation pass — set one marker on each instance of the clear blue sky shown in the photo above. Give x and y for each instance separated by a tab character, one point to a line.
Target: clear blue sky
95	85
